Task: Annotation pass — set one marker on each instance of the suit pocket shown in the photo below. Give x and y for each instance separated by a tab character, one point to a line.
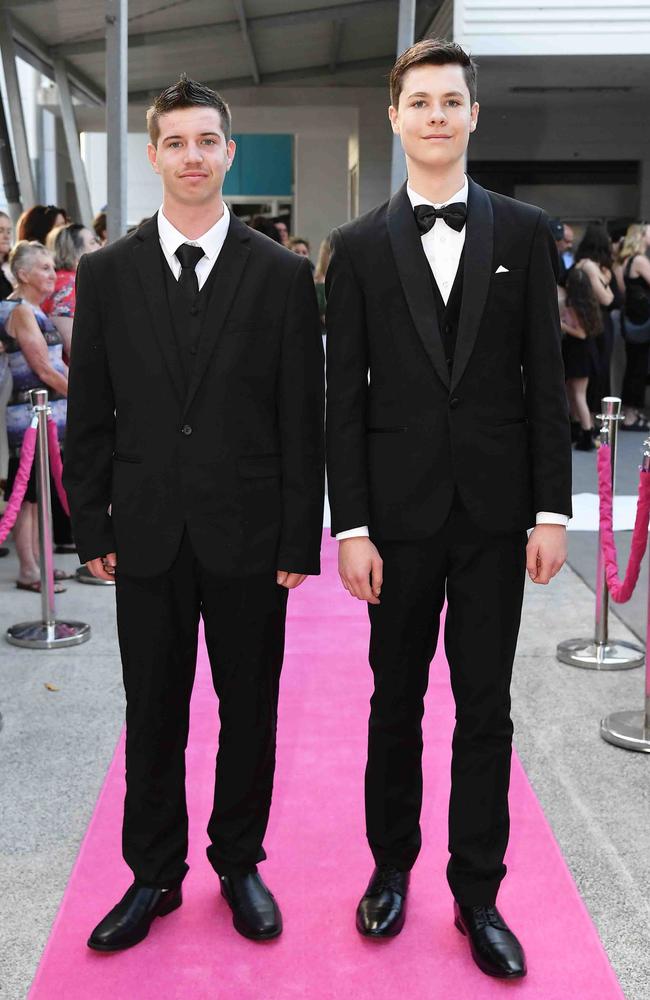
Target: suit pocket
259	466
513	272
123	456
386	430
507	421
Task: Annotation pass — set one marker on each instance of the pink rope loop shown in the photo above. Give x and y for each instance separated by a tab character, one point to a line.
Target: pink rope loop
56	465
19	488
621	590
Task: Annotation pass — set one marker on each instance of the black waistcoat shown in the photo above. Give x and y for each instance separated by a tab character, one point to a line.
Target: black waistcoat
187	315
448	315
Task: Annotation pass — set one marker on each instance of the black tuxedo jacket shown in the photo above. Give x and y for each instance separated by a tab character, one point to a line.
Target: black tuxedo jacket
403	431
235	455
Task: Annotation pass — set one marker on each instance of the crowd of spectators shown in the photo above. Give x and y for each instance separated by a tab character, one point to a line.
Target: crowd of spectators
37	304
604	298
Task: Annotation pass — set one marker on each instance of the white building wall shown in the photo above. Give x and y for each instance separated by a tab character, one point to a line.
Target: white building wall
552	27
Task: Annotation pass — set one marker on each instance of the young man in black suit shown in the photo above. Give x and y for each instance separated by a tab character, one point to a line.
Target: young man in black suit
447	437
194	467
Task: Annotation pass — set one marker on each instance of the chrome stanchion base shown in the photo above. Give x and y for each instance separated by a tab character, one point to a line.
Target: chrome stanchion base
44	635
612	655
627	730
83	575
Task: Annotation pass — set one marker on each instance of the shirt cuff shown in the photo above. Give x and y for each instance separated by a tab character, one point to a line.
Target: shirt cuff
546	517
361	532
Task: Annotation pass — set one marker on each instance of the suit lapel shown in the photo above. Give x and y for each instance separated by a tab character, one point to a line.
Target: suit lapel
146	250
479	239
414	274
231	263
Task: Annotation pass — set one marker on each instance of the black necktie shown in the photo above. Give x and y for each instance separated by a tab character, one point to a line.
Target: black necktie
455	215
189	257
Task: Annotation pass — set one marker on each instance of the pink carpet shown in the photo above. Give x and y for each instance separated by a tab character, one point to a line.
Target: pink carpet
319	862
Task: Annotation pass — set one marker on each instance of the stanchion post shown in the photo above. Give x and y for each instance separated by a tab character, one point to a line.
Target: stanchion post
601	652
50	632
631	730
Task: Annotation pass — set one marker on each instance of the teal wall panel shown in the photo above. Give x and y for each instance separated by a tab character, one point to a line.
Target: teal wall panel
263	165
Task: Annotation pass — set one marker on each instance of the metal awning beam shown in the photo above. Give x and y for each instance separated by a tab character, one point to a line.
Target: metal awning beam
246	38
282	76
37	53
222	29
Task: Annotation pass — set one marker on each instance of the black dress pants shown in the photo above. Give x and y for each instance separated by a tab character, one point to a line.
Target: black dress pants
483	575
158	621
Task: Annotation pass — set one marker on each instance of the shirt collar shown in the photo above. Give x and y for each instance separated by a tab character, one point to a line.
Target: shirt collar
210	242
418	199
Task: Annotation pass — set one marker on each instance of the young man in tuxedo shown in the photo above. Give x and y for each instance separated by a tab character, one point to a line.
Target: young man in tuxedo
447	437
194	467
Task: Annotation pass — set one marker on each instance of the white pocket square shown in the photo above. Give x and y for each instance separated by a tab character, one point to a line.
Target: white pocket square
501	269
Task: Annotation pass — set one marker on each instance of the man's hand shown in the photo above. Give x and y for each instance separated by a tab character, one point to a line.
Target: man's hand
546	552
361	569
104	567
290	580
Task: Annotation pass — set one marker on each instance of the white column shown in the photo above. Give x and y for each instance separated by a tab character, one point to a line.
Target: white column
116	114
405	38
320	185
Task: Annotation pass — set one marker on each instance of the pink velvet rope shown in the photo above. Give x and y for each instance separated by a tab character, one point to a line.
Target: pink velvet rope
56	465
621	590
27	449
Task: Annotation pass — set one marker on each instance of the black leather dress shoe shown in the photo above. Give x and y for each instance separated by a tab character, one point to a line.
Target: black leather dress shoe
382	910
494	947
129	921
255	913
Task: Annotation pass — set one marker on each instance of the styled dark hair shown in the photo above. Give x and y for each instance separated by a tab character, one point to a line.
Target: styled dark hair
595	245
36	222
186	93
262	224
432	52
99	225
581	298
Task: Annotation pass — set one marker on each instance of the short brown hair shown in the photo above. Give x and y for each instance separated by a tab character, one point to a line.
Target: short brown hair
431	52
186	93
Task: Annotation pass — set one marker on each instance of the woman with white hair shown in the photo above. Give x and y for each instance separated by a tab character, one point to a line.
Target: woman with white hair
35	353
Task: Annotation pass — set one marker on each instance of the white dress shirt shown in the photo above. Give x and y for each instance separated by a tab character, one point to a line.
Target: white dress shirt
443	246
210	242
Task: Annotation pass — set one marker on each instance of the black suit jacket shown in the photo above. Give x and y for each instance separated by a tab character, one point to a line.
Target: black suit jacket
236	457
496	427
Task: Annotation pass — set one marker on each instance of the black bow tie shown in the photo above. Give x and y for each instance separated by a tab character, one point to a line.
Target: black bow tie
455	215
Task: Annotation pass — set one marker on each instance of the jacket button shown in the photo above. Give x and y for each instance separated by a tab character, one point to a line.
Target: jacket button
186	429
194	311
453	403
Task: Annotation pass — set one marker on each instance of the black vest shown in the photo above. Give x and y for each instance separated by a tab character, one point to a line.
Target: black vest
449	314
187	315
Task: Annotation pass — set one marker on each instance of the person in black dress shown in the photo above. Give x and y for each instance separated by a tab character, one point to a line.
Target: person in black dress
635	324
594	255
581	322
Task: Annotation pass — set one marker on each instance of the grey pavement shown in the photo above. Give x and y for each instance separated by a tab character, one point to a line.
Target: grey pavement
56	746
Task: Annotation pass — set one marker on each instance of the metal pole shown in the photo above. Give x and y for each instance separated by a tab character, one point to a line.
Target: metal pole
631	730
116	16
405	38
601	652
8	51
72	141
8	169
50	632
